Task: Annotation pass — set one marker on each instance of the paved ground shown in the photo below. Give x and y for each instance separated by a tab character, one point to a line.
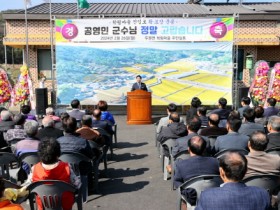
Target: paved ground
135	180
134	175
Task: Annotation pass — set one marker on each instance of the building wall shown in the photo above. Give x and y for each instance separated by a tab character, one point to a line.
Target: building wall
262	32
34	26
269	53
254	35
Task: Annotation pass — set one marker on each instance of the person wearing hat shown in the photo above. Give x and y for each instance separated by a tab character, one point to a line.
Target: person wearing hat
138	85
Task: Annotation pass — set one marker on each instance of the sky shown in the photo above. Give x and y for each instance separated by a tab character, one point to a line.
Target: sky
19	4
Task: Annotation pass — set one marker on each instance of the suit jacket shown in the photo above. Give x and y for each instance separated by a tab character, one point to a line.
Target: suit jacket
213	131
204	121
172	131
260	163
135	86
164	121
223	113
49	132
191	113
76	113
232	140
194	166
181	144
247	128
274	140
103	124
270	111
242	109
234	196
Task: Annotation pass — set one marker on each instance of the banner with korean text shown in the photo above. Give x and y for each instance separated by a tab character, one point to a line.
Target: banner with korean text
98	59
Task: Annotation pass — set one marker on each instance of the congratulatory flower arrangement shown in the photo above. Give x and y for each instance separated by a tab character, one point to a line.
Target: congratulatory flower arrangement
5	87
21	91
274	84
259	87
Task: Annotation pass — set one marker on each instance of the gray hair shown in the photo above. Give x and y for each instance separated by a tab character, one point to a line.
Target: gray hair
49	110
274	121
31	128
6	115
48	122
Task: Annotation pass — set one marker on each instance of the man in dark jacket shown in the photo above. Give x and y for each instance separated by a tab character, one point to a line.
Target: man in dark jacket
213	129
175	129
273	127
49	130
197	164
181	144
71	142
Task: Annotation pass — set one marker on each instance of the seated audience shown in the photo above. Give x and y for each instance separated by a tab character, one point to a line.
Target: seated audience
245	103
271	109
260	118
50	113
195	103
12	136
196	165
6	204
76	112
72	142
233	194
164	121
48	129
51	168
213	129
234	114
249	125
260	162
6	121
201	113
105	115
232	140
93	136
59	124
181	144
30	143
222	111
273	127
25	110
86	131
98	123
175	129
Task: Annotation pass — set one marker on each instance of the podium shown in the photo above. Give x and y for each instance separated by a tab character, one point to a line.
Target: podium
139	107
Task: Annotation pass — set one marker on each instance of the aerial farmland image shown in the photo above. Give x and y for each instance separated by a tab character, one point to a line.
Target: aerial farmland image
172	71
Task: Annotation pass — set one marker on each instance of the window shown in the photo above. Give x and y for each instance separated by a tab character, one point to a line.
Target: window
44	62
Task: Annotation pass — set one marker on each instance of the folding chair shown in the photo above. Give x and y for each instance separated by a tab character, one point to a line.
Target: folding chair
8	161
268	182
273	150
179	156
199	184
29	158
50	193
108	137
74	159
115	126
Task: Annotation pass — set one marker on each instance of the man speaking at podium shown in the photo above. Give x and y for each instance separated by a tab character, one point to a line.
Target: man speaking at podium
138	85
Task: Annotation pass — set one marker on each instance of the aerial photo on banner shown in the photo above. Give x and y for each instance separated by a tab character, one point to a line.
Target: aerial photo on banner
177	60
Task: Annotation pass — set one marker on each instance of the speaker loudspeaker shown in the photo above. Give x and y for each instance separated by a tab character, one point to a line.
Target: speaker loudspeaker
242	92
41	100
